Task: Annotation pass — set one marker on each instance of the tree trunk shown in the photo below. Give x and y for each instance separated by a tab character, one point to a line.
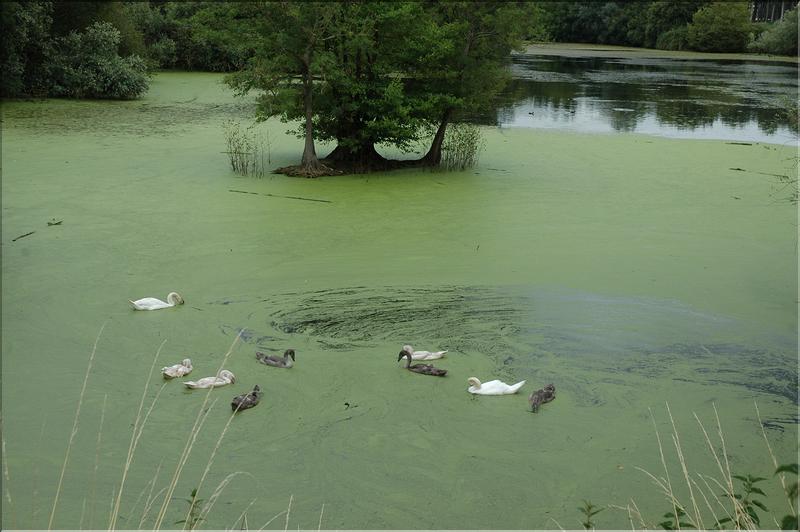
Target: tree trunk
359	160
309	161
434	155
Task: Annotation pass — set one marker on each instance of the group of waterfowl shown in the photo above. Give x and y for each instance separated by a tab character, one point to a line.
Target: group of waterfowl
495	387
251	399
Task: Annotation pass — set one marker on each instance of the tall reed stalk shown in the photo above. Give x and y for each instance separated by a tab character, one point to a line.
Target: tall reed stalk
74	429
6	475
96	462
136	433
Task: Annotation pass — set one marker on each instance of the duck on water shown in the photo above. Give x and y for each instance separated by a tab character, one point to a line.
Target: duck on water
425	369
278	362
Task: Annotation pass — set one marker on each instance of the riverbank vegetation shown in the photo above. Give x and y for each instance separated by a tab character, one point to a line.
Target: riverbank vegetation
226	37
699	25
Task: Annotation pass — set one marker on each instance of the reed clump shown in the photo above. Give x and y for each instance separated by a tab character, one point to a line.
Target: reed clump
249	152
462	146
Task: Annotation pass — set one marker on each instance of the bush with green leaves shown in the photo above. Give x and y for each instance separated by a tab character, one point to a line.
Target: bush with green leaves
86	65
779	38
674	39
24	46
720	27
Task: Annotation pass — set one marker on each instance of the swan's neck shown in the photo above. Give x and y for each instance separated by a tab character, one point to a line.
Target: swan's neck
407	360
475	382
287	361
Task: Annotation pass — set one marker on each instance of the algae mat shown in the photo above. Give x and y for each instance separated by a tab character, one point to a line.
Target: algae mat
630	271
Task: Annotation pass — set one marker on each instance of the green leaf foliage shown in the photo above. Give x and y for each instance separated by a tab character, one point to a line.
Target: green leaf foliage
720	27
779	38
86	65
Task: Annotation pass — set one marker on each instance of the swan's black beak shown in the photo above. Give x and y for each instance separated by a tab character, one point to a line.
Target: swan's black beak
290	352
401	355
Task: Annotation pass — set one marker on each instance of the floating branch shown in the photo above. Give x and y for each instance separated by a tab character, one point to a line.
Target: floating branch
279	196
23	236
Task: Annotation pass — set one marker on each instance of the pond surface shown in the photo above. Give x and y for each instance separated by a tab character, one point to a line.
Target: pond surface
673	97
630	271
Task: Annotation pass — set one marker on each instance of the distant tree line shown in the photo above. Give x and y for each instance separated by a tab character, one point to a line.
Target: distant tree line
104	49
700	25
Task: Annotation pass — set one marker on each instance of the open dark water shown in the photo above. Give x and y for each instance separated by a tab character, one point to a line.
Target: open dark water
672	97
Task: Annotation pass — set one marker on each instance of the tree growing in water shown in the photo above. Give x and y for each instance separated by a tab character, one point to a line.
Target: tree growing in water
376	73
290	60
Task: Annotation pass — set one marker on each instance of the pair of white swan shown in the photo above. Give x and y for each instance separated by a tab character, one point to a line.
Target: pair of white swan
224	377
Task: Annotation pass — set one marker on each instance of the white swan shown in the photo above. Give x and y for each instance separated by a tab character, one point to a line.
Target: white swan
178	370
492	387
151	303
423	355
224	377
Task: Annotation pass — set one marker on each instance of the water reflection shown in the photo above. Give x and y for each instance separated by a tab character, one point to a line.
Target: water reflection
733	100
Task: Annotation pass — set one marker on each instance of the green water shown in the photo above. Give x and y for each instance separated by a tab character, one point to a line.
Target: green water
628	270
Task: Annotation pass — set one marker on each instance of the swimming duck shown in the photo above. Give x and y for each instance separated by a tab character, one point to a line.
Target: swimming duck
151	303
278	362
495	387
247	400
423	355
425	369
539	397
178	370
224	377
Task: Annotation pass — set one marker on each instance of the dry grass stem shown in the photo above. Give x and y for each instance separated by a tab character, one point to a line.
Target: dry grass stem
215	495
668	483
271	520
35	491
190	441
198	425
137	430
83	514
208	466
149	505
639	514
705	499
151	484
74	430
243	517
698	522
727	475
716	498
7	476
781	476
288	511
96	462
321	511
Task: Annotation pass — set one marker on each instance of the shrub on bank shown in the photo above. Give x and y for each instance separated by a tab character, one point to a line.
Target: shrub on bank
674	39
86	65
720	27
779	38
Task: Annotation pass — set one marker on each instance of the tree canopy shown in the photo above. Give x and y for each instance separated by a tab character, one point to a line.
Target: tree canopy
377	73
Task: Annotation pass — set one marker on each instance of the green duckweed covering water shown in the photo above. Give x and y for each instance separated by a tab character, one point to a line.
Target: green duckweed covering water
630	271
